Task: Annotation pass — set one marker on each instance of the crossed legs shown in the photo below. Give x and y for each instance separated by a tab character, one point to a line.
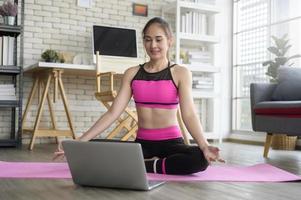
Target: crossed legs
172	157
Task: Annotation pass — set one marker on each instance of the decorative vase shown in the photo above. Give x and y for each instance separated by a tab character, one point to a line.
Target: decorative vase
9	20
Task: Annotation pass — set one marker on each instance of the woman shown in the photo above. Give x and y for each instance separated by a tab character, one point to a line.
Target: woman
167	87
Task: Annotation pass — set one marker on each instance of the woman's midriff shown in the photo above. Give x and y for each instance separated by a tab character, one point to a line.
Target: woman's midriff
153	118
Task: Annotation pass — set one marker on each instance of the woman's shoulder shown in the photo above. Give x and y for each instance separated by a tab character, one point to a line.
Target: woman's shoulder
131	71
181	70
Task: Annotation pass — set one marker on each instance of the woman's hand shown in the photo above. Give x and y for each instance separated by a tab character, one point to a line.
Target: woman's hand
211	154
59	154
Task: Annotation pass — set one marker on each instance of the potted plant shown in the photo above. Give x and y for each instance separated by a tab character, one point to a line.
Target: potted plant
50	55
9	11
279	50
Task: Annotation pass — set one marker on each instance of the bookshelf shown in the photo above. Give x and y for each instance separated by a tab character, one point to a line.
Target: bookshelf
195	43
11	75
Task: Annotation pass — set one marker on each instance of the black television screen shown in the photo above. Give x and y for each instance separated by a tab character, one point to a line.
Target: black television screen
114	41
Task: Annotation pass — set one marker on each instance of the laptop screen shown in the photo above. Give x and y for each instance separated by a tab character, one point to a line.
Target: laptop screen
114	41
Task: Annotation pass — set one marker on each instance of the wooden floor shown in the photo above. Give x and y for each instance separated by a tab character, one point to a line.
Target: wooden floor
32	189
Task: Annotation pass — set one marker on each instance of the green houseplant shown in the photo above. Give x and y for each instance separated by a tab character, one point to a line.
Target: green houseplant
279	50
9	11
50	55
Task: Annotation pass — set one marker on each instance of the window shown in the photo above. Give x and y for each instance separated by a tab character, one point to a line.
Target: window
254	22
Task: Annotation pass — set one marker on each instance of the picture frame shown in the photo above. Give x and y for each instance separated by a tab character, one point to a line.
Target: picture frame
140	9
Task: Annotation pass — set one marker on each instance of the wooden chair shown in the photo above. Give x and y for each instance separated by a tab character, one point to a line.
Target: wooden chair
106	96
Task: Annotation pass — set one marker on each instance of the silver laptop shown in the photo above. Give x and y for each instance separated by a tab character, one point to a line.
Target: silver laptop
108	164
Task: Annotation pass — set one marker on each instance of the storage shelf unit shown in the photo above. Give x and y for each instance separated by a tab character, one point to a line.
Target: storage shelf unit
13	72
200	35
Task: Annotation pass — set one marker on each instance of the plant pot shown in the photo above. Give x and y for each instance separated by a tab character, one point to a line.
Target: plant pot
9	20
50	60
284	142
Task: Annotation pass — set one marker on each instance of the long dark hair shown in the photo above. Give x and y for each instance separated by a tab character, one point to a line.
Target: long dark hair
162	23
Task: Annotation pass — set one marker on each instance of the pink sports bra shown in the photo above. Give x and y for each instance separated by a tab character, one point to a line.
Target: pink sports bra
155	90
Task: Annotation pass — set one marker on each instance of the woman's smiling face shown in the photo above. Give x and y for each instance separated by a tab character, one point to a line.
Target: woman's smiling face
156	42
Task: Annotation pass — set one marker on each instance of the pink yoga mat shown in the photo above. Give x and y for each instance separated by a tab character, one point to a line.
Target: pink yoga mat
255	173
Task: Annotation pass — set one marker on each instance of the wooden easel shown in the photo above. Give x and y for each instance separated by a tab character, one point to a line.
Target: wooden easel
43	79
106	97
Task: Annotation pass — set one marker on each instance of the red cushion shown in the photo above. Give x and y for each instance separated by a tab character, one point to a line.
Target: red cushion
280	112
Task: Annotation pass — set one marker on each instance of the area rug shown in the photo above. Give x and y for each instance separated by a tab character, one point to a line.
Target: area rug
255	173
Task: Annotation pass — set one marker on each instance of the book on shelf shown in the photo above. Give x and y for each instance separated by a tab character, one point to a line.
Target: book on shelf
198	54
194	23
10	58
4	50
199	68
204	82
197	61
199	58
197	65
203	93
7	86
7	50
203	24
7	92
206	87
1	47
8	97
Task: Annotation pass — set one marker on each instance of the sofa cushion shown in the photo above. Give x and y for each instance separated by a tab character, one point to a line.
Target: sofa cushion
279	108
289	84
